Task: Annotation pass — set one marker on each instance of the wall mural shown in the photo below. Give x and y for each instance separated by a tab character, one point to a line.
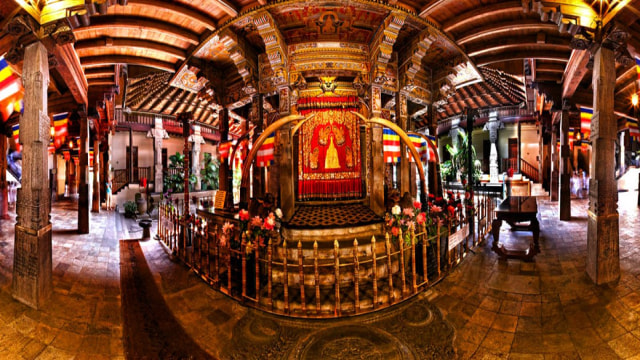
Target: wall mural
329	157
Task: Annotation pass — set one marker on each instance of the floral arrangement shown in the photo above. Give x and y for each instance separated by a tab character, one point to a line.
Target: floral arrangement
404	220
258	229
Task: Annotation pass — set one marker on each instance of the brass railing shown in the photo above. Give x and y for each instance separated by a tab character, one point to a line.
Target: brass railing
319	282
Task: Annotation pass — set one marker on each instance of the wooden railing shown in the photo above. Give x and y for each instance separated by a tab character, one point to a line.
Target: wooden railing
315	281
510	163
529	170
122	178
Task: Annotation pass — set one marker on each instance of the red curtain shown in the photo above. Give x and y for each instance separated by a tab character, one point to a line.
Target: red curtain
329	157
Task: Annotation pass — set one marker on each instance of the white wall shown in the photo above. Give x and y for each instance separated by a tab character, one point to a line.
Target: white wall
119	149
509	131
530	145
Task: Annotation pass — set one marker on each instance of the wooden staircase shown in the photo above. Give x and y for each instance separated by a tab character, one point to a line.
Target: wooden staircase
121	177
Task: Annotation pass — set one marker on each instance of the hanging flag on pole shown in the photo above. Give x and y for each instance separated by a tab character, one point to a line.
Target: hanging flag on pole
391	146
432	145
632	125
16	135
60	125
266	153
11	91
585	121
421	146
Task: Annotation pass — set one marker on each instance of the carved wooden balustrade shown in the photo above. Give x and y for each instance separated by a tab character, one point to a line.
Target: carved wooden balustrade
329	279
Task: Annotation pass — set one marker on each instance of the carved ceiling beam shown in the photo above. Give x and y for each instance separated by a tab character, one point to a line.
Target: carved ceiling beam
102	60
574	72
243	58
476	14
181	9
99	72
103	43
382	45
227	7
504	28
415	52
135	23
519	55
505	44
69	67
275	46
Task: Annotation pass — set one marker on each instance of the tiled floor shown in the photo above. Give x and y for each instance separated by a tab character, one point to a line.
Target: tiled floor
545	309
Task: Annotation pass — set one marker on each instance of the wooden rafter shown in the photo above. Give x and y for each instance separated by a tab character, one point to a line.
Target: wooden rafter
120	43
180	9
135	23
125	59
504	28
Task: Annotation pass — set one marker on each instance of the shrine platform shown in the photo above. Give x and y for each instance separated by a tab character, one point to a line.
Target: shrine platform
325	223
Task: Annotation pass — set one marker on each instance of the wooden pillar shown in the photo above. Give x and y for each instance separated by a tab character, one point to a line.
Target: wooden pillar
95	203
257	114
519	147
4	191
553	186
32	283
84	201
564	195
224	176
401	120
603	258
376	200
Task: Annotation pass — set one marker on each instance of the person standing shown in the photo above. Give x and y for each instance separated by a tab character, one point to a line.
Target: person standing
109	196
12	195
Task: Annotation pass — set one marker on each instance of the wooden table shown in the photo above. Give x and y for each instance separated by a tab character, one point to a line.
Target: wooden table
515	210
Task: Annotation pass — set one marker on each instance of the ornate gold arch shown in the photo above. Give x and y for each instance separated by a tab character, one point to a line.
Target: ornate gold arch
405	139
256	146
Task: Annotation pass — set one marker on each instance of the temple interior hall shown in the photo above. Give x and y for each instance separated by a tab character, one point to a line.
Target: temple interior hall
319	179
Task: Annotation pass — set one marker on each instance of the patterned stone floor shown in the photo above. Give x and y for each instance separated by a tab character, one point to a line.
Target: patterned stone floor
485	309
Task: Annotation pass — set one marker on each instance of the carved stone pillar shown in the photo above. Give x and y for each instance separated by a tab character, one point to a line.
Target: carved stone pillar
4	193
376	100
84	201
284	94
493	126
158	133
564	196
553	191
603	258
196	140
95	202
32	269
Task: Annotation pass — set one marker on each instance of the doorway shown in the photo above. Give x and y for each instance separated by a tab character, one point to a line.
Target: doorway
133	156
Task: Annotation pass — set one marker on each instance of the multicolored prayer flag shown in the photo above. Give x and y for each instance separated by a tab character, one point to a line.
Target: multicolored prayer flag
11	91
585	121
60	124
432	145
266	152
391	146
16	135
421	146
632	125
223	150
638	67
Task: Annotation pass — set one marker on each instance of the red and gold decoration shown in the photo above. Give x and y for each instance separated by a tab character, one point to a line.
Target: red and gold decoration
329	160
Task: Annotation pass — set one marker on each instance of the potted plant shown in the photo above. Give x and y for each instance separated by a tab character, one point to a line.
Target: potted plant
175	182
209	173
130	209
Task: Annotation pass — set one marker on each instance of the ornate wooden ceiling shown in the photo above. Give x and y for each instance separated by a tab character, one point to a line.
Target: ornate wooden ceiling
222	38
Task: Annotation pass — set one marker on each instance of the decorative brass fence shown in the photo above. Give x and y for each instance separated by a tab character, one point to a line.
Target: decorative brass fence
320	281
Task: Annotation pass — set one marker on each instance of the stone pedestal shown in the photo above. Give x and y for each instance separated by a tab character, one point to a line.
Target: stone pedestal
603	257
32	284
564	195
84	201
95	202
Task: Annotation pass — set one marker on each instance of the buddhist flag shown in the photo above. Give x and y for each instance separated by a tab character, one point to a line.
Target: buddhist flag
16	135
266	153
585	121
632	125
391	146
432	145
91	158
420	145
60	123
51	148
11	91
223	150
638	67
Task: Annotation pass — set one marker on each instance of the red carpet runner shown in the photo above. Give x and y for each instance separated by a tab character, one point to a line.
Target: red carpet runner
149	331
